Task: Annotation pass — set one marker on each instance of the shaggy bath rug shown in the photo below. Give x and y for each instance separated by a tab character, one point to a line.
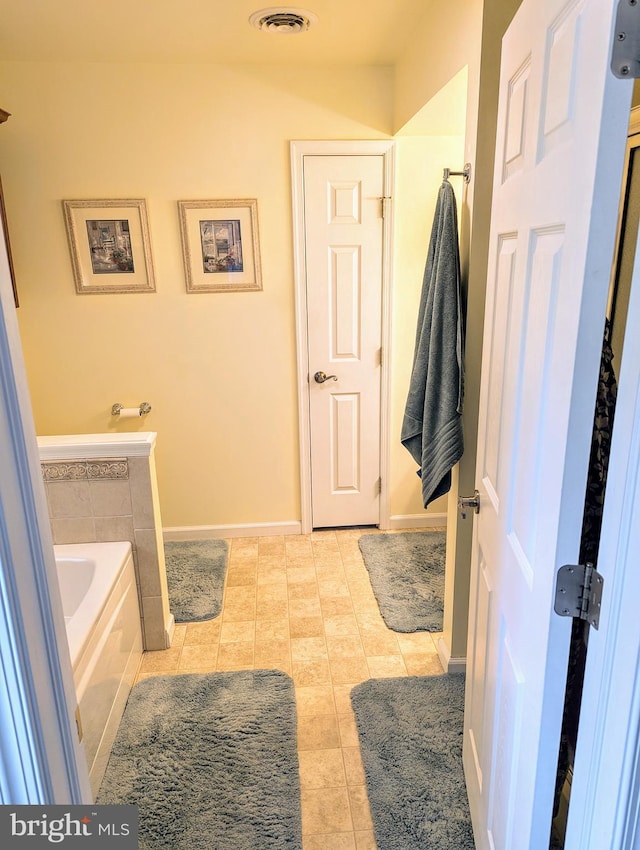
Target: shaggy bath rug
407	577
410	733
195	577
210	760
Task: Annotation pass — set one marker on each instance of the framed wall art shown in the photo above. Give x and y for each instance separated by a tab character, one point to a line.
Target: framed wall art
110	246
5	228
220	245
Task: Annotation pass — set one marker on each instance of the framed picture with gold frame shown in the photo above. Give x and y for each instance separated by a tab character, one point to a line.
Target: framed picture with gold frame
220	244
3	220
110	245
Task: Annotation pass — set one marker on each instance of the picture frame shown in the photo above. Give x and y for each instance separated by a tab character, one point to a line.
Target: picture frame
5	228
110	245
220	245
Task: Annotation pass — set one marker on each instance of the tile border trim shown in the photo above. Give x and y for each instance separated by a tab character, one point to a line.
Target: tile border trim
83	470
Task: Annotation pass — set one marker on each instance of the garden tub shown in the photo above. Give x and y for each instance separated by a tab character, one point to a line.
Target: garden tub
102	616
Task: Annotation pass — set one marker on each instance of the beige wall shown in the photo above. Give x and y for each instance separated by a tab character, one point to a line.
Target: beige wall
431	140
445	41
420	161
481	128
452	38
219	370
444	53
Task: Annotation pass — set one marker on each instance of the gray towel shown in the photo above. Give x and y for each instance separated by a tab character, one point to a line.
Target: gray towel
432	425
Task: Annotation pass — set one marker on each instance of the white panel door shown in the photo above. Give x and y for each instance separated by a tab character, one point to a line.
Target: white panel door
556	191
343	249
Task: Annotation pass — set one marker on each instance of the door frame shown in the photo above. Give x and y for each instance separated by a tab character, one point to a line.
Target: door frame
44	759
605	793
606	776
300	149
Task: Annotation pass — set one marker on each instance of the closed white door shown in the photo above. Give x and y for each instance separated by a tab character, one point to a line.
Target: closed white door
560	142
343	251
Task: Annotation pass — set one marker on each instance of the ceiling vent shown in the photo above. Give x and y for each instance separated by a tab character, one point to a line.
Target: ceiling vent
283	19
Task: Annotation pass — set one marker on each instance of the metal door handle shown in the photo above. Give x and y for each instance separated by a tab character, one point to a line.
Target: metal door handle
320	377
466	502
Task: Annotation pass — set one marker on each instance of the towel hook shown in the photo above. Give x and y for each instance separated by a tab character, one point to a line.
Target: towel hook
465	173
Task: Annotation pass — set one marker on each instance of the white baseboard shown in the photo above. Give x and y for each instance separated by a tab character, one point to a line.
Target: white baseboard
169	631
264	529
213	532
449	664
417	521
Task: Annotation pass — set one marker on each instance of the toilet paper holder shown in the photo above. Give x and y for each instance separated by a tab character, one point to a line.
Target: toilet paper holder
144	408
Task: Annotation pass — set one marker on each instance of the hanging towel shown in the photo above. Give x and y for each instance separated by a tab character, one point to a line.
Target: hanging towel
432	425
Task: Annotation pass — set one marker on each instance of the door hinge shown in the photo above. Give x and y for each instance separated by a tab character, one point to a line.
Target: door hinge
384	200
579	593
466	502
625	53
379	488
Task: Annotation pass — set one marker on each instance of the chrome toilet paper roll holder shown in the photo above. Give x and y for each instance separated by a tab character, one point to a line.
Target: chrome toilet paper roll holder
144	408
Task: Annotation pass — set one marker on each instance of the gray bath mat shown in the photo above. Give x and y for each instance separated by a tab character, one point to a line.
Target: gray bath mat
407	577
210	760
196	571
410	733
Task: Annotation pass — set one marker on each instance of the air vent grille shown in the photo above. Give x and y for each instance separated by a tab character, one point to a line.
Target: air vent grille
285	21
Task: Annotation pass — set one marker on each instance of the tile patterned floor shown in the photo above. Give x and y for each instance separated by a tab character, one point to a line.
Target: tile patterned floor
304	604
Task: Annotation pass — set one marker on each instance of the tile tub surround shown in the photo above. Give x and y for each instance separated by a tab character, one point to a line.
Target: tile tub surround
102	488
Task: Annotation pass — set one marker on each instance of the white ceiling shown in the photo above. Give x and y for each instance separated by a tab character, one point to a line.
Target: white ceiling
353	32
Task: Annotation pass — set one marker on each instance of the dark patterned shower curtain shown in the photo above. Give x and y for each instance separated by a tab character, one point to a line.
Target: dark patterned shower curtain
589	543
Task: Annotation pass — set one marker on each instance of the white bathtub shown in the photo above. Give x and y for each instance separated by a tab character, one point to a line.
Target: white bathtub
100	603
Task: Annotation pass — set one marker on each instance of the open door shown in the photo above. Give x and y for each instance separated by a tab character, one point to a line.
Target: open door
559	153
